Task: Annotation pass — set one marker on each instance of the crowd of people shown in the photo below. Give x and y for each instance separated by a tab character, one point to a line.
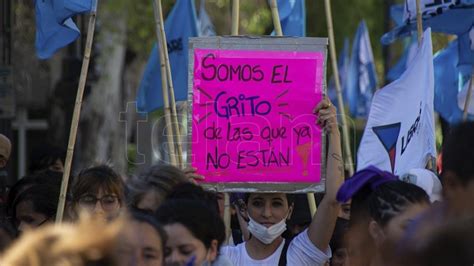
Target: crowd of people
164	217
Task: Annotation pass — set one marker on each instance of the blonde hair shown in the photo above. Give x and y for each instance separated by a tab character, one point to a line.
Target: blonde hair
88	242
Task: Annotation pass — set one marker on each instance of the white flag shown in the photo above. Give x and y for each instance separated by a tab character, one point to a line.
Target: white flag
400	133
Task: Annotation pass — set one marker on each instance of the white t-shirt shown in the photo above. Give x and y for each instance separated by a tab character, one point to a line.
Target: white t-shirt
239	256
301	252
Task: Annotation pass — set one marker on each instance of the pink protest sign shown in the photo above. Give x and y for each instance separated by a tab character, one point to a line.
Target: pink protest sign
252	118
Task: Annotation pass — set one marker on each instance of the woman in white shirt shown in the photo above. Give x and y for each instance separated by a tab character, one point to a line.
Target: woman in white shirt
268	213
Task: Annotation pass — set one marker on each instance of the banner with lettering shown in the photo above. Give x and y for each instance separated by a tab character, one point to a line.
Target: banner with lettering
400	131
252	119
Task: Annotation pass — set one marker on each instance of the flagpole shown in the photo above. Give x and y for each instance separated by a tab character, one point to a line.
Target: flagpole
164	82
76	114
276	18
235	17
279	32
174	114
419	25
234	32
340	103
468	98
430	165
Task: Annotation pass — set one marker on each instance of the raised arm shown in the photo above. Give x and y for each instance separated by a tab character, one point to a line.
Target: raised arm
324	221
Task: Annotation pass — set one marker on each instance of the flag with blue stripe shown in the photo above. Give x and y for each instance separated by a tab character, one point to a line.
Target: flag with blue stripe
180	25
450	80
54	25
448	16
362	78
409	45
206	28
342	67
292	17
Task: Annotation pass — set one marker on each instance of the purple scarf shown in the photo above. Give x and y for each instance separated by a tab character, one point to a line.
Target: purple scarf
370	176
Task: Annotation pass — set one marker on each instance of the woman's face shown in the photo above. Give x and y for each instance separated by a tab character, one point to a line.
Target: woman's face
182	247
396	227
150	201
57	166
268	209
340	257
387	238
221	203
140	245
360	245
27	217
345	211
102	204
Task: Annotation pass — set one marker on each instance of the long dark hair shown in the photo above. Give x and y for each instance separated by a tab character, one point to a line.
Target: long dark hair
43	197
161	178
202	221
41	189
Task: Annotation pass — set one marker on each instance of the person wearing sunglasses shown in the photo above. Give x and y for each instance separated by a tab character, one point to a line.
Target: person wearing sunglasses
98	190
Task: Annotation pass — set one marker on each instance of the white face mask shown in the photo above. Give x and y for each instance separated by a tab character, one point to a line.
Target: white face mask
264	234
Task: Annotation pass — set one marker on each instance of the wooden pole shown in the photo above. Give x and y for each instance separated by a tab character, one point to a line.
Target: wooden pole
279	32
431	161
468	97
174	114
227	218
235	32
164	82
76	114
235	17
340	104
276	18
419	25
311	203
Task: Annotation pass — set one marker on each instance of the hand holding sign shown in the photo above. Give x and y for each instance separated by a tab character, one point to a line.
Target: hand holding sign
192	175
326	116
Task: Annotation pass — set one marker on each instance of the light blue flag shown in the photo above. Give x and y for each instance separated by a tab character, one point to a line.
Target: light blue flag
448	16
206	28
64	9
465	76
396	14
361	78
54	25
450	79
342	67
466	47
466	66
410	45
292	17
180	25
